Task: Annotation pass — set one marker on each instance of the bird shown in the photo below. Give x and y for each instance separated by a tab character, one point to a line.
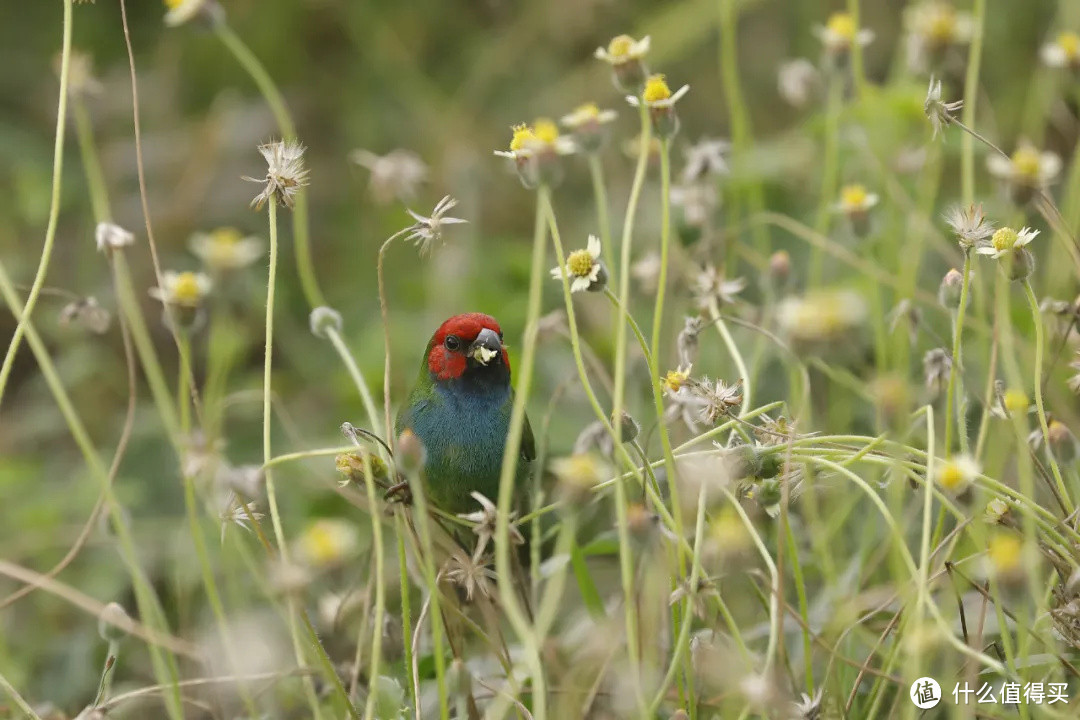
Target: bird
460	410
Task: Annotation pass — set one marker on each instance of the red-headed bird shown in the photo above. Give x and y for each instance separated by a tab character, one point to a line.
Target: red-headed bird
460	410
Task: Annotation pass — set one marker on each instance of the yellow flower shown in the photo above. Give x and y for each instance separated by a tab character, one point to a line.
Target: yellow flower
327	542
1064	51
186	289
1069	42
179	12
675	379
957	473
225	249
1005	553
584	269
523	137
1004	239
1026	161
656	89
996	510
587	114
546	131
1015	401
856	198
727	533
623	49
842	25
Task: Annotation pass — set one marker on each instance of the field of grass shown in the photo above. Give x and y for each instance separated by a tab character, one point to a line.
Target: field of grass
790	290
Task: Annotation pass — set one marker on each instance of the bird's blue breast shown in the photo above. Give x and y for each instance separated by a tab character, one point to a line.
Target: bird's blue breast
464	434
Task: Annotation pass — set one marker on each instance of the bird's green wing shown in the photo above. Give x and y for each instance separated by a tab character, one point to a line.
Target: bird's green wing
528	442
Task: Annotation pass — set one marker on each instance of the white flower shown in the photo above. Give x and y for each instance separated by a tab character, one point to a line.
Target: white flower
797	81
1006	240
225	249
327	541
969	224
1027	166
583	268
429	230
540	138
186	289
646	271
484	521
705	159
623	49
938	112
710	284
697	200
855	199
285	172
394	175
1064	51
932	27
821	316
182	11
587	115
957	473
839	34
110	236
657	94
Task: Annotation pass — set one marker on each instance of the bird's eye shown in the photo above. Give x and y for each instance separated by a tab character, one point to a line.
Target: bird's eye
452	342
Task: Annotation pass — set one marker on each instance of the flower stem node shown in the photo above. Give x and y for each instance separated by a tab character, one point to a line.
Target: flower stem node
324	319
626	57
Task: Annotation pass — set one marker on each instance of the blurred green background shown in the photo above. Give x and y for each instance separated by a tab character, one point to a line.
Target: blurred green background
445	79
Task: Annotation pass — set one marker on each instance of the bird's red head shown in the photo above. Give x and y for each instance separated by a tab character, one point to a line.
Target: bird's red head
465	341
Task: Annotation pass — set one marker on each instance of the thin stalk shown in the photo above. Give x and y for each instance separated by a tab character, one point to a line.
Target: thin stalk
163	662
358	379
603	222
17	699
95	176
54	205
955	366
375	666
250	62
1036	317
971	94
511	455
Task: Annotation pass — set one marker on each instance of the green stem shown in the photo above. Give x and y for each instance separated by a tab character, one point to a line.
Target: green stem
1036	317
375	663
17	699
956	367
511	455
829	176
54	205
164	663
406	606
603	222
971	94
250	62
95	176
358	379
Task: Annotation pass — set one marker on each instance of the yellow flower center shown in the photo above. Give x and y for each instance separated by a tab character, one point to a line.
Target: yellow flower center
186	291
1026	162
1004	239
523	137
1015	401
675	379
620	47
728	531
324	542
588	111
952	477
546	131
656	89
225	236
842	25
173	4
1069	42
580	263
941	27
1005	552
853	196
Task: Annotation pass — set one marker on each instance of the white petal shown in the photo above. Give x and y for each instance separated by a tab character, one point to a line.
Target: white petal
580	284
641	46
556	273
593	246
1053	55
633	100
1049	166
679	93
999	166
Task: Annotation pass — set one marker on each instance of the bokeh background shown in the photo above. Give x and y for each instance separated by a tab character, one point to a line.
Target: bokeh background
445	79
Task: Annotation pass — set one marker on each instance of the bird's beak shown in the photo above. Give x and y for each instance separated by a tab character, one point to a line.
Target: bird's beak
486	347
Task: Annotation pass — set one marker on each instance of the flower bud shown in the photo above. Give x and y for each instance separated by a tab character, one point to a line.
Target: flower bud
1021	263
629	427
111	622
780	267
1062	442
949	290
324	319
351	467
